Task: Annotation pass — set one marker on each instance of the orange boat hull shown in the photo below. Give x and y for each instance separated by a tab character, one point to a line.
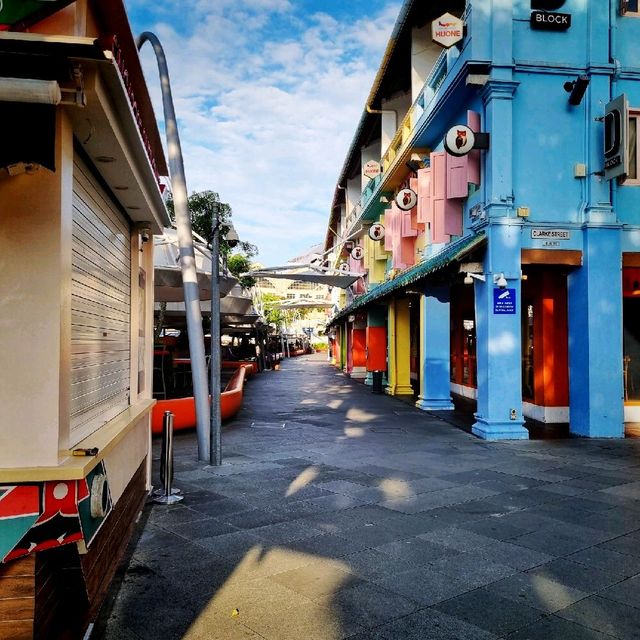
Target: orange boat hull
184	409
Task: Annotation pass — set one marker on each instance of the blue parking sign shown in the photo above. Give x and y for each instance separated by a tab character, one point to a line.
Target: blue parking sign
504	301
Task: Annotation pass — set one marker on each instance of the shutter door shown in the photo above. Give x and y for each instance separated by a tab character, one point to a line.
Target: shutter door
100	307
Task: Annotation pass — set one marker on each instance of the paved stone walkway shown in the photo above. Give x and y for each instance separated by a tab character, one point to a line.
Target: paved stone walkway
341	514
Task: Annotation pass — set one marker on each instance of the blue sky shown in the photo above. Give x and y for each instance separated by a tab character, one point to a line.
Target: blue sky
268	94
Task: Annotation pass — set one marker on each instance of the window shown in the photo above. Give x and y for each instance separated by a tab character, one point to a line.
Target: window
629	7
634	148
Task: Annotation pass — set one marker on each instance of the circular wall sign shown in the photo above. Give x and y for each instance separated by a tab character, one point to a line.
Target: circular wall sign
376	231
459	140
344	267
406	199
357	253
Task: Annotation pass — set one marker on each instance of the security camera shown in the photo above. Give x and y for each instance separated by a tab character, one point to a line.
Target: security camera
145	233
576	89
500	280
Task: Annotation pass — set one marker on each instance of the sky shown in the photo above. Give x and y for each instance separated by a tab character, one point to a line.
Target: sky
268	95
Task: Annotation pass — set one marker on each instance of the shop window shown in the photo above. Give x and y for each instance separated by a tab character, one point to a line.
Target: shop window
634	149
629	8
527	353
469	376
631	333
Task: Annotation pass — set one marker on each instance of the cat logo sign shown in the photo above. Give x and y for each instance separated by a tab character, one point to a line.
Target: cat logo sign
406	199
357	253
459	140
376	231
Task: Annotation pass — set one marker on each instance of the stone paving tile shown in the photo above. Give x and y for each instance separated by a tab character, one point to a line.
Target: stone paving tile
417	550
466	568
373	564
626	592
494	528
605	559
200	528
429	624
628	544
557	541
318	579
537	591
606	616
511	555
578	576
458	539
554	628
370	605
413	530
423	585
490	611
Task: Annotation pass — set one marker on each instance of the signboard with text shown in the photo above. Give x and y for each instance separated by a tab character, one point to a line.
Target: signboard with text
504	301
616	138
550	21
447	30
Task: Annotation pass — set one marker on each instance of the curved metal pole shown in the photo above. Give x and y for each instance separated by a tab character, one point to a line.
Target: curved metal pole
215	433
187	256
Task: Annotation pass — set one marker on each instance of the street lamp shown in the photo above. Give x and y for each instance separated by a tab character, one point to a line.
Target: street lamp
187	255
215	431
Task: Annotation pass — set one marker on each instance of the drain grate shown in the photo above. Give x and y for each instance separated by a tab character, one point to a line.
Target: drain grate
268	425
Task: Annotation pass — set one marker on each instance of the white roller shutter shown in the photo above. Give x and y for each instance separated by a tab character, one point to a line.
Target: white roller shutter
100	307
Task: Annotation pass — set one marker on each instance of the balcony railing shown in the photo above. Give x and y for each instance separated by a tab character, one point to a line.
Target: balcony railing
403	135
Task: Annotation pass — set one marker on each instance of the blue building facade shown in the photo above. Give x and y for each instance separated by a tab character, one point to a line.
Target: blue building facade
528	254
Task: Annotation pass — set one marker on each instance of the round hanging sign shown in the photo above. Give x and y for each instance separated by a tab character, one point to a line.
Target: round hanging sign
357	253
459	140
406	199
344	267
376	231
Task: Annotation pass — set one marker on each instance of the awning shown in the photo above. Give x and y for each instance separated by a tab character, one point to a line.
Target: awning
452	252
303	304
168	275
319	277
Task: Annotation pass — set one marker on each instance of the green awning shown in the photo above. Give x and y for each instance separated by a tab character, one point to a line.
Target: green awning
453	251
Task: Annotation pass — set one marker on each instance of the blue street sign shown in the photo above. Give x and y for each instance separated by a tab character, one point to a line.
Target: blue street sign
504	301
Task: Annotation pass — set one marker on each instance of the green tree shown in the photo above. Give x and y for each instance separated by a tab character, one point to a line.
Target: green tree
202	206
240	263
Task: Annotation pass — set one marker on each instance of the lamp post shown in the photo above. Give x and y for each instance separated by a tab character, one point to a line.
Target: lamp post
187	255
215	430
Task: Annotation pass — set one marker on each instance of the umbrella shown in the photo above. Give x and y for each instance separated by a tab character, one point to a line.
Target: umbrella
168	275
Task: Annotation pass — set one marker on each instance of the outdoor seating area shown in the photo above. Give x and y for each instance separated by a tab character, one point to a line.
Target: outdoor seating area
184	409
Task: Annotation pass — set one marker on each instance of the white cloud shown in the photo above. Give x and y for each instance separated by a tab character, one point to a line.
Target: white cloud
268	101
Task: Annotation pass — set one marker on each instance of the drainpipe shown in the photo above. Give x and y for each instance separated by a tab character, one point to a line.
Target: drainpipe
187	255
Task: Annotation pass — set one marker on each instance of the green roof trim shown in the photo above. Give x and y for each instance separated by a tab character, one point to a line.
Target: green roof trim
453	251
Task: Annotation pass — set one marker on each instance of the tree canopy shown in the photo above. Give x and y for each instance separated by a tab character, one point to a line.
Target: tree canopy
202	206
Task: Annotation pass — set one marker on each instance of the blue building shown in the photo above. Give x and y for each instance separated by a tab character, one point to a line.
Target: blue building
508	192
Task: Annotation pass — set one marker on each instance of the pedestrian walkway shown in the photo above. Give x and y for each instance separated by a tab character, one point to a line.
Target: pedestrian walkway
342	514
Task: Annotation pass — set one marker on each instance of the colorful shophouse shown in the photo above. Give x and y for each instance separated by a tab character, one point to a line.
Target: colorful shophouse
492	186
80	198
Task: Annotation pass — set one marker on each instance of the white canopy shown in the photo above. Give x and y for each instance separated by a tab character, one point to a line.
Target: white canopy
307	274
167	273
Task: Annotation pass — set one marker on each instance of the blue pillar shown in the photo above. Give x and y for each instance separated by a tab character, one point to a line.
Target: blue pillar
498	334
596	405
435	350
